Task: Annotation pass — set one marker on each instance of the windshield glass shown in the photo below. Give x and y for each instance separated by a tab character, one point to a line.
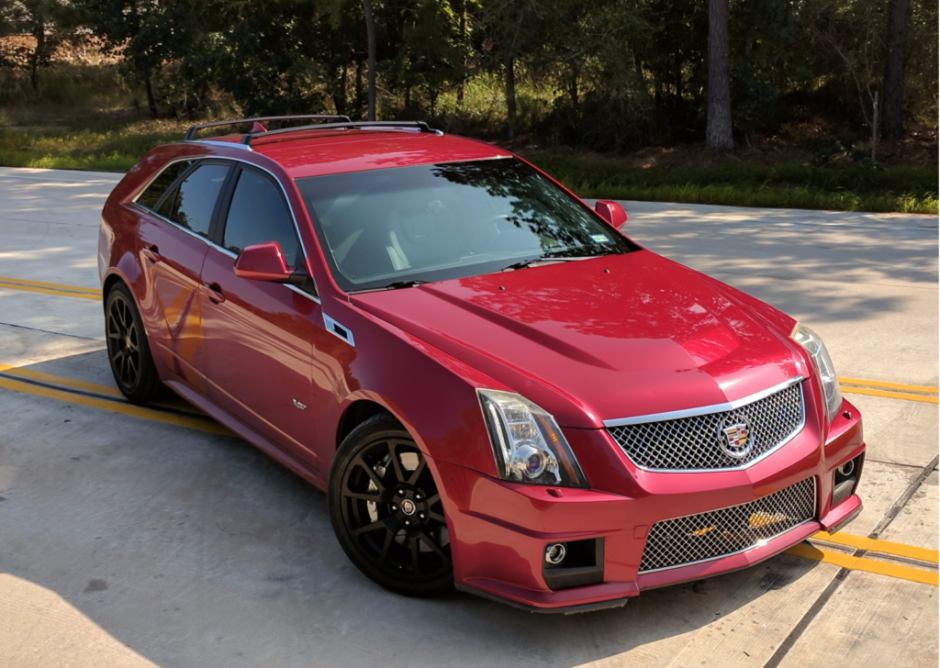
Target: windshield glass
398	227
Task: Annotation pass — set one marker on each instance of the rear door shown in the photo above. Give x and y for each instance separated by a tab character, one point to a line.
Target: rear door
259	335
173	242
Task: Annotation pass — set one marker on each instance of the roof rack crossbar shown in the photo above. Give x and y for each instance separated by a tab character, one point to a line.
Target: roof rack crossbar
263	119
349	125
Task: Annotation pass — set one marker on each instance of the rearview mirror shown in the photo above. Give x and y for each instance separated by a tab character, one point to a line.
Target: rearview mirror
263	262
612	212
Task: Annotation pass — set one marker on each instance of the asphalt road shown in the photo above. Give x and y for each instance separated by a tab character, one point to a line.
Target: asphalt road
134	537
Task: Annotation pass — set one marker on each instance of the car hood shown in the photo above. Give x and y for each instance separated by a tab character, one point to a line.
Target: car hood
598	339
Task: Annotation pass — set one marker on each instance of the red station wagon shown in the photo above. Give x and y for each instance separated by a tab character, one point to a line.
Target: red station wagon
498	390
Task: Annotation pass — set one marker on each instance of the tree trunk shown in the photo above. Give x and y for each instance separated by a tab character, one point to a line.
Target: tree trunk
511	94
718	119
151	102
358	90
39	32
893	118
573	91
370	37
339	92
463	38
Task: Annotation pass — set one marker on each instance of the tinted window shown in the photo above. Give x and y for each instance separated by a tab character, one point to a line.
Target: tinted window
196	197
438	222
258	214
168	176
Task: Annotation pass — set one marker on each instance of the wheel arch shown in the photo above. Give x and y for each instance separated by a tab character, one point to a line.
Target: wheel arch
358	411
110	281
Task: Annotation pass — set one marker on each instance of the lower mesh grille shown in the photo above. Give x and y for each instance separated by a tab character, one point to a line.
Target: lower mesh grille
685	540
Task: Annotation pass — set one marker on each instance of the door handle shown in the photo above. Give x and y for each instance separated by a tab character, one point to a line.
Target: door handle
152	253
214	292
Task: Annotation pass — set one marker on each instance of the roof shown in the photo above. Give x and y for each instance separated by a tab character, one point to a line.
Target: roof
321	152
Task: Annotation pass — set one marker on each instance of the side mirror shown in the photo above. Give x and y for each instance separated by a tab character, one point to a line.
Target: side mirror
263	262
612	212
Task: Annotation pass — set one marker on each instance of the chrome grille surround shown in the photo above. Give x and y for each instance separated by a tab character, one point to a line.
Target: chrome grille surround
689	440
720	533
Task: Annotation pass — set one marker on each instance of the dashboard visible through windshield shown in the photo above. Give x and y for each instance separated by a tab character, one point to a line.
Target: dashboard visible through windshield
403	226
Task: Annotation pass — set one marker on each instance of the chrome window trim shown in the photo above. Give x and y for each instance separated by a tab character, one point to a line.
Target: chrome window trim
702	410
717	408
747	549
290	208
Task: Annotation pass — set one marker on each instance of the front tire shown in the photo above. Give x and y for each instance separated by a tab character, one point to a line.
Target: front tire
128	348
387	512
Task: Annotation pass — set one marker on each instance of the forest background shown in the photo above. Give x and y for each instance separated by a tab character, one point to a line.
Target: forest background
745	102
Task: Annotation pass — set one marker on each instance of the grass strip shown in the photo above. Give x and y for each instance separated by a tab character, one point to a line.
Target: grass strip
902	189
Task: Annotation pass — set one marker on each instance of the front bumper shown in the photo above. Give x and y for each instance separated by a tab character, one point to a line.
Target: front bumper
499	531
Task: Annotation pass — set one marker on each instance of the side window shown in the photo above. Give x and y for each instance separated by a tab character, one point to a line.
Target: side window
258	214
195	198
155	190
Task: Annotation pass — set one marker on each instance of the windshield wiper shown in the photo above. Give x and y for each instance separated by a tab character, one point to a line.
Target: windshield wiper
402	284
546	259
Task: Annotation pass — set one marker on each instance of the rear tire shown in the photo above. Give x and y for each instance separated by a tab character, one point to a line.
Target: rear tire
386	510
128	348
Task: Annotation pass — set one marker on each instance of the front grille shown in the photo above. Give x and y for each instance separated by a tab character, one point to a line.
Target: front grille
694	443
725	531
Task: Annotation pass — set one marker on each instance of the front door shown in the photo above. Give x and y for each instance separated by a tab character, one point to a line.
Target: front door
259	335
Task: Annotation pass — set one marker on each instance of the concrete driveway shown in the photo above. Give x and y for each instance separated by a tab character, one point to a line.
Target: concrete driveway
148	536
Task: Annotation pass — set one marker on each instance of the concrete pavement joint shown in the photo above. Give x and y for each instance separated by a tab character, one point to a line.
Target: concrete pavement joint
47	331
780	654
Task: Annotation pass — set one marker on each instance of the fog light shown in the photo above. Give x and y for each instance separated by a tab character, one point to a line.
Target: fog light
555	554
844	480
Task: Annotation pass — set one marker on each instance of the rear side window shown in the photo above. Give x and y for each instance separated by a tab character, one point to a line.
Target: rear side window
193	203
258	214
167	178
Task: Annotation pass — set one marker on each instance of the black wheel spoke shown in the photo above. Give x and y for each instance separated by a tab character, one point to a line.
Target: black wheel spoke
386	547
378	524
434	498
396	464
359	461
364	496
431	544
436	516
419	469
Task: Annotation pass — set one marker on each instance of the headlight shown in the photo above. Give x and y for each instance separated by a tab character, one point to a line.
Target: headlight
824	367
528	445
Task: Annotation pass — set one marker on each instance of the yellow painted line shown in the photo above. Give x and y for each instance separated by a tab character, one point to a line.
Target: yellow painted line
890	395
115	407
890	386
879	546
53	286
858	564
47	291
60	380
98	388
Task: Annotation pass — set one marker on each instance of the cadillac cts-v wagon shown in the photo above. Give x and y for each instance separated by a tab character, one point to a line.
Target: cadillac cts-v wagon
499	390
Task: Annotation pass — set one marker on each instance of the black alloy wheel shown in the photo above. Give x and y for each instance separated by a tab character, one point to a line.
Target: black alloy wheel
386	510
128	349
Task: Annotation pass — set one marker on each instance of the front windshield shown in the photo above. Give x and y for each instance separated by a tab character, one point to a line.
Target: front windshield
398	227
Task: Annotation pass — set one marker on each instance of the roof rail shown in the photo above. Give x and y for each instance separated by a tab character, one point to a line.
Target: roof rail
262	119
421	126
